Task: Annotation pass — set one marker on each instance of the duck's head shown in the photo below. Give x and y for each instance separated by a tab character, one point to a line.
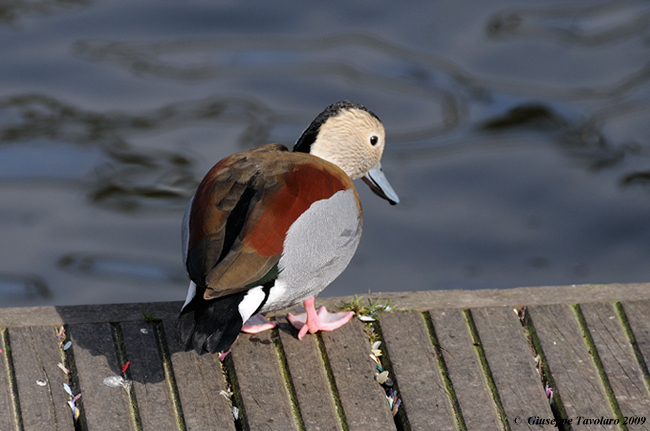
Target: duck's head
350	136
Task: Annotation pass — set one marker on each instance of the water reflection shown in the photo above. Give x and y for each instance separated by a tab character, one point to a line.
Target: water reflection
11	11
518	136
585	24
22	287
533	116
37	115
128	178
637	179
104	266
582	142
596	29
360	59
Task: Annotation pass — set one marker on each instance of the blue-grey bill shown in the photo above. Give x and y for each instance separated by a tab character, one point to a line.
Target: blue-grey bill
379	184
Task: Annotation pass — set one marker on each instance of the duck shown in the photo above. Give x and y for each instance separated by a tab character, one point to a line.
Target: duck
269	228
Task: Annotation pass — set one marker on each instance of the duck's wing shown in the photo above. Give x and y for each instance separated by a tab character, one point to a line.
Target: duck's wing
218	256
243	209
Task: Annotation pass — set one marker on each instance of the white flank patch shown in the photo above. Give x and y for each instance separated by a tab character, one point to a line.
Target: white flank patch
277	292
191	291
251	302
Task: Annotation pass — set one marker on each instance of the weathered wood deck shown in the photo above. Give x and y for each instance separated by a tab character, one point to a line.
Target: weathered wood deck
458	360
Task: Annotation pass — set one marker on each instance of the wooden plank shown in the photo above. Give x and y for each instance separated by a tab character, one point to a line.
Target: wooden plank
464	369
362	398
413	360
35	353
637	314
309	380
618	360
347	349
511	363
104	408
7	413
422	301
145	366
540	295
95	313
567	356
200	381
263	392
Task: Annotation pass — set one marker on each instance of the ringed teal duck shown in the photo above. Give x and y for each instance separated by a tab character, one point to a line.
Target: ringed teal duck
269	228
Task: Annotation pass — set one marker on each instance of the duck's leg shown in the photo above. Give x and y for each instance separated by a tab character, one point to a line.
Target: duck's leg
257	324
223	355
312	321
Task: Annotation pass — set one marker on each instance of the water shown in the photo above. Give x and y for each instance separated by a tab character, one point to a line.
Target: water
518	136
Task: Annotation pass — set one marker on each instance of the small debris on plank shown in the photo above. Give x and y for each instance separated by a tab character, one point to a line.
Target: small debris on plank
393	410
520	312
113	381
73	406
549	394
538	365
117	381
75	410
382	377
41	382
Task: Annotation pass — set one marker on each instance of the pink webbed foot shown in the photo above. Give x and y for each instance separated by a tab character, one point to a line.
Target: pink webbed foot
312	321
257	324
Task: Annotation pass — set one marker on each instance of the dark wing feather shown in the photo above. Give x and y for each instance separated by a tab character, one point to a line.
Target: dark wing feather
217	257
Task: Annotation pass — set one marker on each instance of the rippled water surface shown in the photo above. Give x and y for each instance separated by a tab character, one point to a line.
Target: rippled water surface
518	136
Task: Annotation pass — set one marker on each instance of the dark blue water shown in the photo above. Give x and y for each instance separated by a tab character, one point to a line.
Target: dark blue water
518	136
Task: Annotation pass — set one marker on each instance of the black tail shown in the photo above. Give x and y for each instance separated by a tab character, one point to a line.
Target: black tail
210	326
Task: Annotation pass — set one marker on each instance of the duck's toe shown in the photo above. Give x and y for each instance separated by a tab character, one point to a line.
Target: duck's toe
257	324
321	321
331	321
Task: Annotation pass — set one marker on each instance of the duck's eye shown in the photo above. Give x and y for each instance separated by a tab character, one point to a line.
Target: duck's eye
373	140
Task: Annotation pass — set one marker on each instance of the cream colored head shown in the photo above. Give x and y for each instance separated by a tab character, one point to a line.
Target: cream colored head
353	138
